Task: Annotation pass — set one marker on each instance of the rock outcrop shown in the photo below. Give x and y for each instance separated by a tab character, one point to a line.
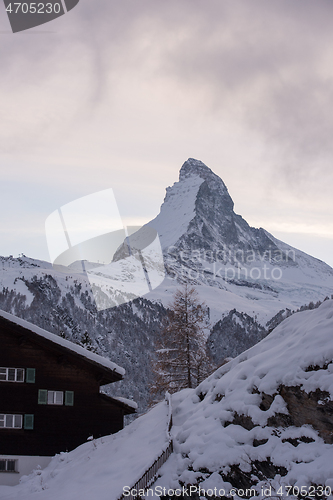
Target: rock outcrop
265	417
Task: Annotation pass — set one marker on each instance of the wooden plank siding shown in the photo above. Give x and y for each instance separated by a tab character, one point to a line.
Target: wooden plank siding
56	427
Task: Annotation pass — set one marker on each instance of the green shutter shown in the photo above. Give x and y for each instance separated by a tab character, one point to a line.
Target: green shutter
69	398
28	421
42	397
30	375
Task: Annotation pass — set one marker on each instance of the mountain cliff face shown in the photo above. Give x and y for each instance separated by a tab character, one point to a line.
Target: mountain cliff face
213	224
234	329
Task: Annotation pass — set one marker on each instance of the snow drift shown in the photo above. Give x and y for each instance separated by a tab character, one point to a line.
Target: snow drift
265	416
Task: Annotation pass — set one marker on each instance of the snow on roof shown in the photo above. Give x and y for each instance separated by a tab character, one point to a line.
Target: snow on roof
128	402
96	358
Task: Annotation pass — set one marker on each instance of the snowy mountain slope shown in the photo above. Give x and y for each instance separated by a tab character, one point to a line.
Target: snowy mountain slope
266	415
99	468
235	325
63	304
177	211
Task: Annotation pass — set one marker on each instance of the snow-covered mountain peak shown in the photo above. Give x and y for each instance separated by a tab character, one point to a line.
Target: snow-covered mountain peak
194	167
199	192
197	167
205	242
178	209
197	213
213	182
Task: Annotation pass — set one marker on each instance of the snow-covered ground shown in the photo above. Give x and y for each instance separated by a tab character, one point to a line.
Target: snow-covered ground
207	440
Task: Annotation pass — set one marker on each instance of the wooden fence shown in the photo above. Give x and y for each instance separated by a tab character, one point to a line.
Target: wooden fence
151	474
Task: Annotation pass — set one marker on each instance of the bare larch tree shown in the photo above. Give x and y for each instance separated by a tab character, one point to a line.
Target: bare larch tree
181	357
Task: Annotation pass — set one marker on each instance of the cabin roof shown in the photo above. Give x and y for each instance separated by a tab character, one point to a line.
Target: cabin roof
110	370
127	405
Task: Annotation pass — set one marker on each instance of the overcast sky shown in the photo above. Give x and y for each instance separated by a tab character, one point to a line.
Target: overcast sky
120	93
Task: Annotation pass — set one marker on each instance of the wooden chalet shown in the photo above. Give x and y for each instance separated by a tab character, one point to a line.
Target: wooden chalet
50	398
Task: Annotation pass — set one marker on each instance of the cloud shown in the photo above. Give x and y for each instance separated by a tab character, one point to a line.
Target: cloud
129	90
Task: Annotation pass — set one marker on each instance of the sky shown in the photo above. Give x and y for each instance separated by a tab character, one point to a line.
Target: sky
118	94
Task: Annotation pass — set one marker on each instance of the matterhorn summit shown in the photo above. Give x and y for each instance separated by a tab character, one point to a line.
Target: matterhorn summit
206	243
203	204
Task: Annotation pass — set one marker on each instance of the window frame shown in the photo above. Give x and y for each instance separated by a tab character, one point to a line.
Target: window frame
16	370
6	461
6	417
49	397
52	395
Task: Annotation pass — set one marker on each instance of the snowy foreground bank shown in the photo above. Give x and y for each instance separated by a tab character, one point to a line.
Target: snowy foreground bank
266	417
264	420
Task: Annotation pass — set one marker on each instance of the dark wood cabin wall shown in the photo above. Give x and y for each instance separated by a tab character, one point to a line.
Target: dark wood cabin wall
56	428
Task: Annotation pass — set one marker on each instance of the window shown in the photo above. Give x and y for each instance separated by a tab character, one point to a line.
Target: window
8	465
9	421
12	374
51	397
55	397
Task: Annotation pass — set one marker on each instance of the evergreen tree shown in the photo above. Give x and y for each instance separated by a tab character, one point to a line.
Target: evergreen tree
181	356
86	342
